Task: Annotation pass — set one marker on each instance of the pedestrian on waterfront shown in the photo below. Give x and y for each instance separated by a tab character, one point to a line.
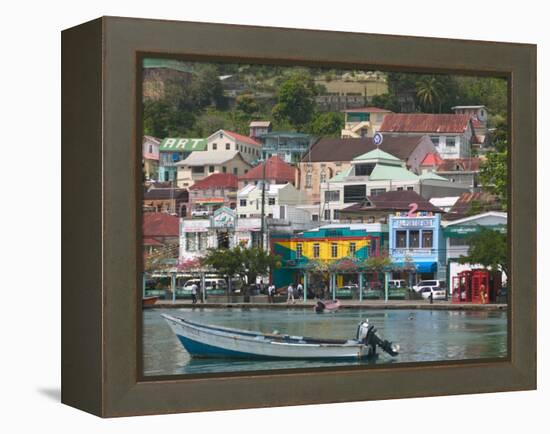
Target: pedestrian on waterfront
290	293
300	290
482	293
270	292
194	289
432	297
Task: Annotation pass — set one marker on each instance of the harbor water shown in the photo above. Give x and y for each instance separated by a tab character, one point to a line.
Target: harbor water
423	335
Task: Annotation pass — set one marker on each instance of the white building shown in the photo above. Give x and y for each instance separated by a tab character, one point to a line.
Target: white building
452	134
456	235
374	173
224	140
249	199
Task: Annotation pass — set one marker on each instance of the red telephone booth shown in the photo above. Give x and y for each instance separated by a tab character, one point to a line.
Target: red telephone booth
476	286
462	287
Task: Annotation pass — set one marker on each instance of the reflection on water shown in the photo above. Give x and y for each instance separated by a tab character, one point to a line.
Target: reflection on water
423	335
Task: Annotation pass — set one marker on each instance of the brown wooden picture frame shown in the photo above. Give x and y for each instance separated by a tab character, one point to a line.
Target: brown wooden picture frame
101	221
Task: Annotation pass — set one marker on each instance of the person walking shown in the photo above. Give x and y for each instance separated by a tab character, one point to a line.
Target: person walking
290	293
270	293
300	291
194	289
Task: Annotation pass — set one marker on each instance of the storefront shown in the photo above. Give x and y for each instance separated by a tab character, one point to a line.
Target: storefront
416	244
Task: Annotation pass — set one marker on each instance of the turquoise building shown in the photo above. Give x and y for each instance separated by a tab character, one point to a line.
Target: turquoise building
287	145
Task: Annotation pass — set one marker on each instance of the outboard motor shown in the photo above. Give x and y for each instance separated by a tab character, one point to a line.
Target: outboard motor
366	334
320	307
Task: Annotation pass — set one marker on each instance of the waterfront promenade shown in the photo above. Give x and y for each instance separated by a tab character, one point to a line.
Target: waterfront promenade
260	302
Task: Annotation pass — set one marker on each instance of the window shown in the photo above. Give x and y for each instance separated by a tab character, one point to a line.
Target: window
354	193
203	240
308	181
435	140
332	196
190	241
352	249
150	149
235	171
242	202
336	214
242	216
271	201
214	146
450	141
364	169
377	191
334	250
323	177
427	239
299	251
211	169
197	169
282	213
400	239
327	214
224	169
316	250
409	188
414	239
314	217
228	146
399	189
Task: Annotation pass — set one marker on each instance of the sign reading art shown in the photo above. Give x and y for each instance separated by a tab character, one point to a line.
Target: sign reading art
183	144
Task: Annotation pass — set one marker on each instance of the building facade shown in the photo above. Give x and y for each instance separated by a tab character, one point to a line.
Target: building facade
325	244
198	166
173	150
249	199
150	153
227	141
363	122
288	146
416	239
213	192
451	134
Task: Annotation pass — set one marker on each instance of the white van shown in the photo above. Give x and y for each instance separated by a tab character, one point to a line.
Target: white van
208	282
427	283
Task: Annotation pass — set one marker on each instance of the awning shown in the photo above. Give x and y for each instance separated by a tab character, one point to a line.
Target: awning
420	267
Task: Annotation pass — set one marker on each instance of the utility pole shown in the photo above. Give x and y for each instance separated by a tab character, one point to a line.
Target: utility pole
262	222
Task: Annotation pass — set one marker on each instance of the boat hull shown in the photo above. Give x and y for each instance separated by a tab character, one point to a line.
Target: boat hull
149	301
210	341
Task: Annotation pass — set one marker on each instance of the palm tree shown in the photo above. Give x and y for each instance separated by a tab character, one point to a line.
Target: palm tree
428	91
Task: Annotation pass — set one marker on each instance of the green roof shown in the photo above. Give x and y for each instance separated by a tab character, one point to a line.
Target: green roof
432	175
340	176
180	144
153	62
395	173
377	154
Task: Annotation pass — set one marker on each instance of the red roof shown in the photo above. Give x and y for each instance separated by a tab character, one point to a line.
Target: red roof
367	110
424	123
158	224
431	159
276	169
241	138
216	180
459	164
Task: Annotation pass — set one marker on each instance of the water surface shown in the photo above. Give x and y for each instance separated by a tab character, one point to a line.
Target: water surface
423	335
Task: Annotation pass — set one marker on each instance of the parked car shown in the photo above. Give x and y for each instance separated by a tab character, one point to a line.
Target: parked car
427	283
199	213
438	293
397	283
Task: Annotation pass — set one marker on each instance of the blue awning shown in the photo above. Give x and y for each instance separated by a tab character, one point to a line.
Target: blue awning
421	267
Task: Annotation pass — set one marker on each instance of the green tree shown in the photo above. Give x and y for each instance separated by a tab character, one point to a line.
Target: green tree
296	100
256	262
327	124
247	104
224	261
206	87
488	248
493	175
429	92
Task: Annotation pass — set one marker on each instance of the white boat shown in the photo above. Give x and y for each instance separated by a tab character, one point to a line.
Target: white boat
202	340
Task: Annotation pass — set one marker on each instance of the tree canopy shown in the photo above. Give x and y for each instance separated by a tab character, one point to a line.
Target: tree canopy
296	100
493	175
488	248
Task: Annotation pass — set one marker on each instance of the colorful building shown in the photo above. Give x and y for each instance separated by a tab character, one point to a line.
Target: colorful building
416	239
363	121
326	244
288	146
173	150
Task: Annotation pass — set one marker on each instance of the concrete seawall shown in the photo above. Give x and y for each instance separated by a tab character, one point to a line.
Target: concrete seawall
352	304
